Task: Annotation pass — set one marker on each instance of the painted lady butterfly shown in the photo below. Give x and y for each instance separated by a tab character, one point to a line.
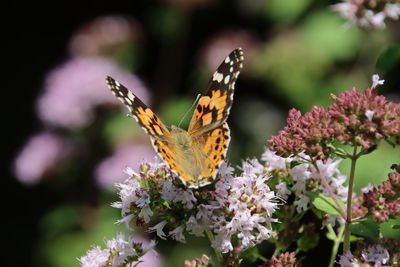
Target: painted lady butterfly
196	154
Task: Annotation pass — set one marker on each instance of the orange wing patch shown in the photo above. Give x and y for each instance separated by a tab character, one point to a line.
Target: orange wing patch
214	146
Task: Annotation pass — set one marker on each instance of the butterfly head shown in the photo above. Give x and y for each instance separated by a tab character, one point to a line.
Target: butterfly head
181	138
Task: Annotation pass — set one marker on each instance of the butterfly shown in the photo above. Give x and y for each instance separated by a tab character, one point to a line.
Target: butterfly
196	154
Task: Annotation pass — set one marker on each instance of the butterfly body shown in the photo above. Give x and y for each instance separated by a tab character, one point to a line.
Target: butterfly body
194	155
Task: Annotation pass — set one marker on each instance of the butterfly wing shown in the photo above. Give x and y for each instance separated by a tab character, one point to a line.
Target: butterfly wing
213	108
150	123
212	146
160	136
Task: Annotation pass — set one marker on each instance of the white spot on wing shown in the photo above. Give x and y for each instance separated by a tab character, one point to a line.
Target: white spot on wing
227	78
218	76
227	59
145	130
131	96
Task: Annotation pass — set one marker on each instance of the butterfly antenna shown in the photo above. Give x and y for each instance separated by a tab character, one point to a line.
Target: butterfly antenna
194	103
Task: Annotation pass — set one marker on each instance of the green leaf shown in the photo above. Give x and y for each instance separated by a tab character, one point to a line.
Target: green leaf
250	254
324	203
294	163
307	241
390	228
367	228
388	58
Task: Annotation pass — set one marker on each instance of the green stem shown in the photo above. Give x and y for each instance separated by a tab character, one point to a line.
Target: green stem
218	254
330	192
346	245
336	243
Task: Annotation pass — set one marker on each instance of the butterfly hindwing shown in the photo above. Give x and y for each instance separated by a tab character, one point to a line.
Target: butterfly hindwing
213	108
214	146
150	123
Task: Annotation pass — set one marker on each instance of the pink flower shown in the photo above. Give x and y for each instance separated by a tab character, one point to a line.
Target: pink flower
74	90
355	118
383	202
103	35
108	172
366	13
39	156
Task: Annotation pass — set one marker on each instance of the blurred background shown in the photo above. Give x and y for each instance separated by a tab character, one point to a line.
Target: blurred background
67	138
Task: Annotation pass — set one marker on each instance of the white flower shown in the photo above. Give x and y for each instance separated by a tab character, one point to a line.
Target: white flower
252	167
195	227
121	248
222	242
302	203
225	170
367	188
240	209
392	10
159	229
130	172
369	114
96	257
283	191
177	234
376	81
377	255
168	191
186	197
144	200
376	19
346	260
330	170
146	213
127	194
273	161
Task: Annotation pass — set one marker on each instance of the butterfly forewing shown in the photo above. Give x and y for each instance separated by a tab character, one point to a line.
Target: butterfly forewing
213	108
150	123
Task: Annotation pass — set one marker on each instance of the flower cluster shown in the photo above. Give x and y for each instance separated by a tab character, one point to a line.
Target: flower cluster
306	177
239	211
120	251
368	13
372	256
287	259
75	89
355	118
382	202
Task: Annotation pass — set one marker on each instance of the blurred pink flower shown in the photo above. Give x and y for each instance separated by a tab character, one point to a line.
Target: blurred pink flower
109	171
104	34
368	13
222	43
73	90
40	154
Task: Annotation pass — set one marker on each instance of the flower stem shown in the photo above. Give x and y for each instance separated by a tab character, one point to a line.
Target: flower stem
218	254
331	194
336	243
346	245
